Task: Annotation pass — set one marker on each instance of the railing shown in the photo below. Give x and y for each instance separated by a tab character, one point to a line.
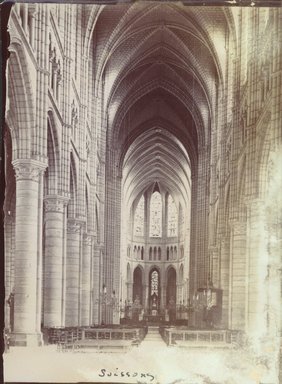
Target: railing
112	334
64	335
171	336
66	338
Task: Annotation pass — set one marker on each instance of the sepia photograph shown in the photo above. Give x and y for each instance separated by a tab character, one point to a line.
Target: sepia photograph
142	161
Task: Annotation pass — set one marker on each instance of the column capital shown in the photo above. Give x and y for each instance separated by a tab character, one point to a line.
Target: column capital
54	203
28	169
87	239
75	225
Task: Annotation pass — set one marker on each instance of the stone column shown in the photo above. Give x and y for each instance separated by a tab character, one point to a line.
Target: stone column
146	301
164	217
54	261
163	293
257	270
54	83
73	265
225	281
214	265
200	208
26	327
238	276
129	291
96	284
39	252
86	272
25	18
178	297
111	264
32	25
9	229
186	290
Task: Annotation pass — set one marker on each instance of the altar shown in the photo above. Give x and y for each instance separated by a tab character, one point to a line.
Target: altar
154	318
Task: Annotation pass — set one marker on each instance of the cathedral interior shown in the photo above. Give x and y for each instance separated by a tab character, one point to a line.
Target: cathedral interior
143	171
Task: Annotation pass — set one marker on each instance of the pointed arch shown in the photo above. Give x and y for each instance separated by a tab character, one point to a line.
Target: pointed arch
138	283
154	288
93	17
87	210
53	154
97	226
139	216
128	273
73	188
266	147
181	274
171	284
22	100
9	170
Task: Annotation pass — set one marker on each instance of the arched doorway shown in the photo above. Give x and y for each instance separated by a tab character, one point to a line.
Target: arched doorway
171	285
154	292
171	294
137	285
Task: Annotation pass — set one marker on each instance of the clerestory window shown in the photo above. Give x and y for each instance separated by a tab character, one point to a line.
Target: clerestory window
156	215
139	218
172	219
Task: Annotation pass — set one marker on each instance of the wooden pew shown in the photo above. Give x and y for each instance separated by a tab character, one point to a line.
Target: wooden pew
115	339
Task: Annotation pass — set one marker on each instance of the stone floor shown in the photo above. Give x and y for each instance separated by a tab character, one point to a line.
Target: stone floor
151	362
153	339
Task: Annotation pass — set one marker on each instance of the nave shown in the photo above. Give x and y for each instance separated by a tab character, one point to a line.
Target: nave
142	147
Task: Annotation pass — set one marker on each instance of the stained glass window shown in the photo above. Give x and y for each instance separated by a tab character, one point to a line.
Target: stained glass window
156	215
154	283
139	218
171	217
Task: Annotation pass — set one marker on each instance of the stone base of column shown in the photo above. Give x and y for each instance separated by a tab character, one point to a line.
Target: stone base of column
224	318
26	339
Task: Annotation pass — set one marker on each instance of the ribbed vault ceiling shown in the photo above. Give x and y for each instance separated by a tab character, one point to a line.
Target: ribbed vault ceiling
164	161
161	66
